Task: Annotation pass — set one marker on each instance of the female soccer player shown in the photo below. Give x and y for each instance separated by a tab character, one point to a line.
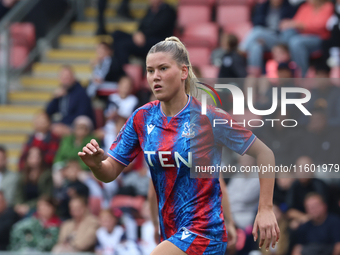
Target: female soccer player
174	136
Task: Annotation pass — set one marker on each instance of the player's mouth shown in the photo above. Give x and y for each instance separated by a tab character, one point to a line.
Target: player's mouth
157	87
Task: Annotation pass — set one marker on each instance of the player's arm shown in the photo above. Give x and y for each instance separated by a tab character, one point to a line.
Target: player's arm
265	220
105	170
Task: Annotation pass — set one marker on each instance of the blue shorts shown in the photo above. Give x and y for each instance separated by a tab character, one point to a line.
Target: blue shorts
194	244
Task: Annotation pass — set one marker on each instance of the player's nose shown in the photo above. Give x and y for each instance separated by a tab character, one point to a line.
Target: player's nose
156	75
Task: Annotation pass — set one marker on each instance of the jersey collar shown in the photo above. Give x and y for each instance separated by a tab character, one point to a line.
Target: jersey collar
188	102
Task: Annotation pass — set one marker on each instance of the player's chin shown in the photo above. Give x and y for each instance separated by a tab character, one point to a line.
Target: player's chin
161	96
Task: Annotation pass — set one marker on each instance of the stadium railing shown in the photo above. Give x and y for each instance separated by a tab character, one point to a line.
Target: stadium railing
16	14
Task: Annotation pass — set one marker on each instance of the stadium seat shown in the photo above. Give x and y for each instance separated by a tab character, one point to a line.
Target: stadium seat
197	2
201	35
95	205
335	72
18	55
241	30
232	14
135	72
199	56
235	2
23	34
209	71
193	14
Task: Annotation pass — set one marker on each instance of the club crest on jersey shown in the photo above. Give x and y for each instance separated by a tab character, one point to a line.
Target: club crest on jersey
188	132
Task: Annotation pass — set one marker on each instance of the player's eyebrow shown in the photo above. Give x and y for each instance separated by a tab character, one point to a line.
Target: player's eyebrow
160	65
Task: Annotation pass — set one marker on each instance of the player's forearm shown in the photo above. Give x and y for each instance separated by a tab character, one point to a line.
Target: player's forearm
264	158
267	180
105	171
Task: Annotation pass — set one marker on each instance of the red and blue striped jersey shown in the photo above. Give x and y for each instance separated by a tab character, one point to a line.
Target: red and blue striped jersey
171	148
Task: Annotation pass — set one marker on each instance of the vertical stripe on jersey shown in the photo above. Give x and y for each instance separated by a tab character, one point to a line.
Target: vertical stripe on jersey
168	141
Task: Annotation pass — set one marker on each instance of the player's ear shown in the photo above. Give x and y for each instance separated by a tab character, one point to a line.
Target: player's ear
184	72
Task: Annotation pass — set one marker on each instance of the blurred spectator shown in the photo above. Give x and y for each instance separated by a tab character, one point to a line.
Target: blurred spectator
35	181
296	2
305	32
298	191
109	235
283	182
72	144
70	187
318	141
8	179
281	248
147	238
156	25
331	47
217	54
285	74
122	10
264	35
233	64
138	181
7	219
279	139
38	232
119	109
320	235
244	191
70	101
42	138
79	233
106	72
280	54
325	96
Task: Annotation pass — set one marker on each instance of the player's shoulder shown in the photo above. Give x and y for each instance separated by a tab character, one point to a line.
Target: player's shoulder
216	111
147	109
211	110
149	105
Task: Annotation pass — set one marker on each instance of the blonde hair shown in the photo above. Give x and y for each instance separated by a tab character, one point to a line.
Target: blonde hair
179	53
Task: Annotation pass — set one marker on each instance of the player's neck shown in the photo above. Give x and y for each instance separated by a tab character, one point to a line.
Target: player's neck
173	106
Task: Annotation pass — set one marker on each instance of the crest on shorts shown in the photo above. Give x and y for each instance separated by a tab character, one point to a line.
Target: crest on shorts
188	132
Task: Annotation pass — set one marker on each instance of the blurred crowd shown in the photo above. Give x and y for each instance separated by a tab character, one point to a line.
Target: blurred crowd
54	203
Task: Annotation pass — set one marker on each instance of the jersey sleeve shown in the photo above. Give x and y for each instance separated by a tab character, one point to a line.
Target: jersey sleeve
126	146
228	133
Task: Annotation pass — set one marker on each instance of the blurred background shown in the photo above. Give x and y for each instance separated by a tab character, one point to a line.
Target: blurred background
73	70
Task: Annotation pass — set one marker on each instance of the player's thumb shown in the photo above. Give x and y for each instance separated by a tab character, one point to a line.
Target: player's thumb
255	230
100	152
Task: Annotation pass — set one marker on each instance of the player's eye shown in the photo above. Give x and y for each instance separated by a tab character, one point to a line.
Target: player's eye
150	71
163	68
